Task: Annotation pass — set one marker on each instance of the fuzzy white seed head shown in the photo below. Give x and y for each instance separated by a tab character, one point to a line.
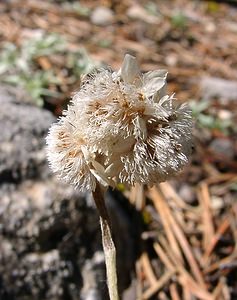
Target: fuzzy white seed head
121	127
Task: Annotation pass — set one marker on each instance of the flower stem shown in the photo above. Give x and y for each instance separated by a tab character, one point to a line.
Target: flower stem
108	244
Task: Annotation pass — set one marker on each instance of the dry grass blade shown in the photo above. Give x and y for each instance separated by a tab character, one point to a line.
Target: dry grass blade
163	257
170	193
190	286
222	292
217	293
220	178
160	202
159	205
147	269
139	279
186	294
226	291
162	296
233	223
175	201
158	285
173	292
220	231
195	289
137	197
205	203
228	261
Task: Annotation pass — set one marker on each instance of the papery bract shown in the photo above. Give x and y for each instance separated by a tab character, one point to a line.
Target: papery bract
121	127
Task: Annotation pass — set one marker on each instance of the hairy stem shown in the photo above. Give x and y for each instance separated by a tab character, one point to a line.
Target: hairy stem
108	244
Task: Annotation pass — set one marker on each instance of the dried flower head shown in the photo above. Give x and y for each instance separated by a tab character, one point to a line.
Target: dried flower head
121	127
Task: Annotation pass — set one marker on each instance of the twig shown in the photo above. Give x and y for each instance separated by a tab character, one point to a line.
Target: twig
108	244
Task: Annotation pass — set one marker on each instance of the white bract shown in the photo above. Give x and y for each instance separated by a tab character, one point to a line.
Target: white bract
121	127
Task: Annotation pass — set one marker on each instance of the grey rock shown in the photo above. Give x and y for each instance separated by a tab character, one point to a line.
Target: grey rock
50	237
187	193
48	233
223	147
102	16
92	275
131	292
22	140
213	87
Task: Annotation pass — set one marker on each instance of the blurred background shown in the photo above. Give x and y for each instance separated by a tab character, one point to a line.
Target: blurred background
175	242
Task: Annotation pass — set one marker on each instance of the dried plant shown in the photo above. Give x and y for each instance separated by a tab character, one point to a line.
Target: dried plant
120	127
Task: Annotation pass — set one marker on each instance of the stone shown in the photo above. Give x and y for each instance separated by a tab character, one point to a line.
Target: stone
102	16
137	12
213	87
22	140
223	147
50	236
187	193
